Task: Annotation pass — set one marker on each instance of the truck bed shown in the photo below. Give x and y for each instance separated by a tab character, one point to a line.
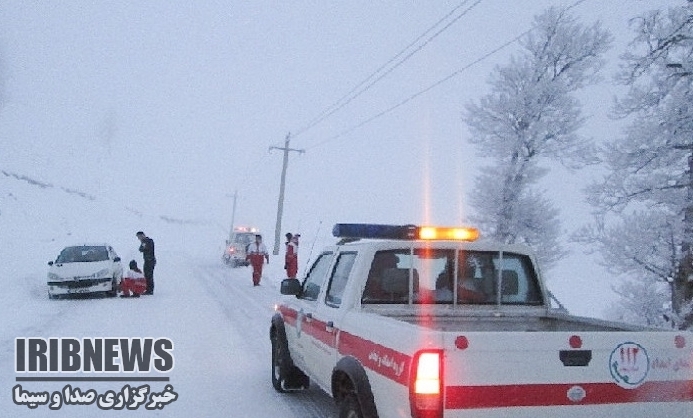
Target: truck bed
472	319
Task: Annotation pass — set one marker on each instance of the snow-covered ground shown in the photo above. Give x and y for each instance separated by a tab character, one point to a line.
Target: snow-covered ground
217	321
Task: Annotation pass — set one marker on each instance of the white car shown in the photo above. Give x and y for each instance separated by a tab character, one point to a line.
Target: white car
83	269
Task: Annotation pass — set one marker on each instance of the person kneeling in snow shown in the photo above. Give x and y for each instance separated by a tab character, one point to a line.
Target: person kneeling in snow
133	282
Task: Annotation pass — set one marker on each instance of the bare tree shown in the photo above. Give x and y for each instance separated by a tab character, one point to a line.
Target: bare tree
642	248
650	167
531	114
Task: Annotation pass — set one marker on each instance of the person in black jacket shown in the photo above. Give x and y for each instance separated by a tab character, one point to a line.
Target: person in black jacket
147	250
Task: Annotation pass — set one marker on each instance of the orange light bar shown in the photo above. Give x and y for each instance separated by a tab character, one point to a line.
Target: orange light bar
456	234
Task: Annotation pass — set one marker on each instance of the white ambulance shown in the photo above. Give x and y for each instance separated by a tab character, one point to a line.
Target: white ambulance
235	248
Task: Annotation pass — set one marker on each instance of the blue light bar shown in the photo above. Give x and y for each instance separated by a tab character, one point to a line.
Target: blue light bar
377	231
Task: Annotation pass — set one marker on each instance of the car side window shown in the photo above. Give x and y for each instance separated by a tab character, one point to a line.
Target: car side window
316	276
67	255
338	281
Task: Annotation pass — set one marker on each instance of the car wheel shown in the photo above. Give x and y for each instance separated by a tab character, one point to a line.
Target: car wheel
349	407
53	297
114	289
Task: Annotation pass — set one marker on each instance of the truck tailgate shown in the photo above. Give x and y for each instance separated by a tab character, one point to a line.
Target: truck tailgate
646	374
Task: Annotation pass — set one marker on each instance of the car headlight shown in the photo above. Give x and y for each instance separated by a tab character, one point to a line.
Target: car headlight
53	277
101	273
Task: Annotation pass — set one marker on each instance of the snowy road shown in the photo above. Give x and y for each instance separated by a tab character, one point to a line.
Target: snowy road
216	319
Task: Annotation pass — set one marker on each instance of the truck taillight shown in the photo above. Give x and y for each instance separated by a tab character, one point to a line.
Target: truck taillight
426	385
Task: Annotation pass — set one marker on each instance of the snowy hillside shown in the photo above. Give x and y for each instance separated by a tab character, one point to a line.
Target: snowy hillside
38	218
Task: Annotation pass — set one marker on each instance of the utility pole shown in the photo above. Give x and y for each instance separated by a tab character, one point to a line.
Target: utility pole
233	213
280	204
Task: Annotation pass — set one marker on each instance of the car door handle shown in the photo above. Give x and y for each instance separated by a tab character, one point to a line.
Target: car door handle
329	326
309	317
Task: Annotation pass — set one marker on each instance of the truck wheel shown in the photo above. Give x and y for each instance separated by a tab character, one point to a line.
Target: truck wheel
279	373
349	407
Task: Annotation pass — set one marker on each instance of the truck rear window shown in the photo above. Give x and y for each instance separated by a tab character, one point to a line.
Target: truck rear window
445	276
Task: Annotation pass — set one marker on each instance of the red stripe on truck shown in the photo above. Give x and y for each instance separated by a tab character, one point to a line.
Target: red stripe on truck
288	314
382	360
500	396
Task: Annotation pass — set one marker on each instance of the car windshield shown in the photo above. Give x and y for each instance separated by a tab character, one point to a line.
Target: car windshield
245	238
82	254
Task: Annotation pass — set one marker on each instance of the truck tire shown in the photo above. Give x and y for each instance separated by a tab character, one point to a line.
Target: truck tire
349	380
280	368
349	407
285	376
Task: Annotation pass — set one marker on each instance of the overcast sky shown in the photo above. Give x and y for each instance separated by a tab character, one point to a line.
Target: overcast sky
171	106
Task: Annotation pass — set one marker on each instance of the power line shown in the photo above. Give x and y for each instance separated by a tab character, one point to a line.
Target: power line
436	84
420	92
366	84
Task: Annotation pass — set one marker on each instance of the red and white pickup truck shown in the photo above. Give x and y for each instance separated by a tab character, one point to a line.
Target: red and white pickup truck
426	322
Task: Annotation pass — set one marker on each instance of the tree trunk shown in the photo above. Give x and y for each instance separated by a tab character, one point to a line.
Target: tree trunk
683	282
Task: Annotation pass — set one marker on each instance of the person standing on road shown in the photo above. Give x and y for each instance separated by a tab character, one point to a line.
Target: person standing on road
147	250
291	257
257	254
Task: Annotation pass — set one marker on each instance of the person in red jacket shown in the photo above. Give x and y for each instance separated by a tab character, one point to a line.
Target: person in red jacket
256	254
291	257
134	282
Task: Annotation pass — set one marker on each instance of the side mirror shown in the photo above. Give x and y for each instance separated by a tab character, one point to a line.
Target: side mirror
50	263
290	287
117	259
